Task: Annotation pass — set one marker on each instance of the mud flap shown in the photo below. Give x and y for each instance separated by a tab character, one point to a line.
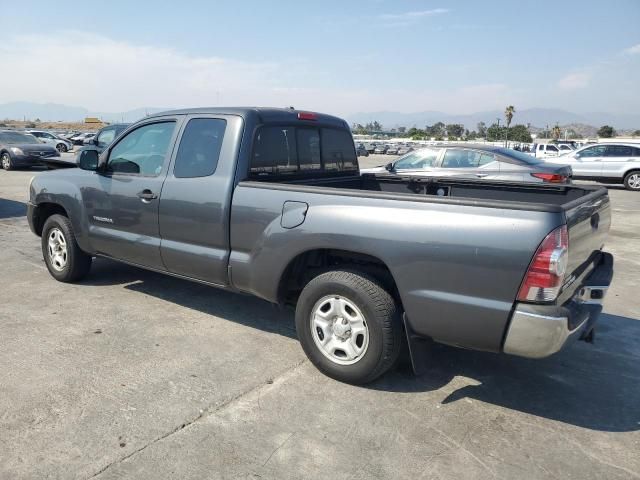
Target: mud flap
418	348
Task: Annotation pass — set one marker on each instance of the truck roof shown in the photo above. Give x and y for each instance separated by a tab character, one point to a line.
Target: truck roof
262	114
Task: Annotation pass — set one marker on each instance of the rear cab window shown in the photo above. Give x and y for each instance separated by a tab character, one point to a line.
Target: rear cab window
301	151
199	149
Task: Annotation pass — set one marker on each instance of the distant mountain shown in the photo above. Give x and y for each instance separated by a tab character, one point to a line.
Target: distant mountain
53	112
538	117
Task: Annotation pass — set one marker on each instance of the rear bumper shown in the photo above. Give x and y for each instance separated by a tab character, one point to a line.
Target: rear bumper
537	331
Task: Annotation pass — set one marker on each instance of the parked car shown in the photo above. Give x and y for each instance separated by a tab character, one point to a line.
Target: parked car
88	138
475	161
370	147
392	150
380	149
61	144
281	218
79	138
103	138
361	151
404	150
606	163
23	150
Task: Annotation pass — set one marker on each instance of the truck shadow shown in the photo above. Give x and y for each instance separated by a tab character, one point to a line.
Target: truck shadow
12	209
595	387
590	386
243	309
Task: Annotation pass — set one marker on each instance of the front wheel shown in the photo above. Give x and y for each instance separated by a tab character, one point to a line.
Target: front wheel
65	260
61	147
5	160
349	326
632	181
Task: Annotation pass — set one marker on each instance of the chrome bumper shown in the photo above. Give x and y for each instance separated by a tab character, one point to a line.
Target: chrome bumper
537	331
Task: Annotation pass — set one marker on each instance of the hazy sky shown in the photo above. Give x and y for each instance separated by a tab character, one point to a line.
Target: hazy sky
336	56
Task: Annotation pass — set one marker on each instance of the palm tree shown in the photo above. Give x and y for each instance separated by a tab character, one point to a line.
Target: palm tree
508	116
556	132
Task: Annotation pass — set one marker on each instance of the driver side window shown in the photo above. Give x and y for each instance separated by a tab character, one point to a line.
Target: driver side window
142	151
593	151
424	158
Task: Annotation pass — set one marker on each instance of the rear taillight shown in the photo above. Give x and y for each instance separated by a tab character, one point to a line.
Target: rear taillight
544	277
550	177
307	116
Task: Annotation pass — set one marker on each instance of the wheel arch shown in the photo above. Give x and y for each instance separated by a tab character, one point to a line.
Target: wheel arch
43	211
311	263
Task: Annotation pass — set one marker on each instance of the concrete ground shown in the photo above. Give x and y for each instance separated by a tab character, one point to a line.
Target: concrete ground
132	374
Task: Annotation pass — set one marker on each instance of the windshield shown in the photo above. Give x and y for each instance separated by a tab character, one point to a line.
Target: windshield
17	138
417	159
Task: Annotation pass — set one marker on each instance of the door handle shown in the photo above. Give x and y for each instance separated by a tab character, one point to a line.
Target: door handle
146	195
482	175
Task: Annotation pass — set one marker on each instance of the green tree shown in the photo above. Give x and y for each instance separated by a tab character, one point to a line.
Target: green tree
402	129
495	132
556	132
606	131
438	129
482	129
636	133
416	134
455	130
520	133
376	126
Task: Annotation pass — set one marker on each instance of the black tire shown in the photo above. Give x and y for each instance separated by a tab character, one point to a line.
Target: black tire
631	181
6	162
61	147
380	311
77	263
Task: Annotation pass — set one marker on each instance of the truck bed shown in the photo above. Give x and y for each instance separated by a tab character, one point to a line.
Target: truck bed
534	196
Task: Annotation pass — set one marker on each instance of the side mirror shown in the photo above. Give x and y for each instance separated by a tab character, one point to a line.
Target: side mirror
389	167
88	160
94	141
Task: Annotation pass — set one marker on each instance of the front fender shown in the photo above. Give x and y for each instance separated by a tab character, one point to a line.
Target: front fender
57	189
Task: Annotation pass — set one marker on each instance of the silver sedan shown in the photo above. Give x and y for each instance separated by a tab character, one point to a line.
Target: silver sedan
475	161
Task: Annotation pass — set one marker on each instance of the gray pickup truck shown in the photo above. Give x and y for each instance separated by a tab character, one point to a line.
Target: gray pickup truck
270	202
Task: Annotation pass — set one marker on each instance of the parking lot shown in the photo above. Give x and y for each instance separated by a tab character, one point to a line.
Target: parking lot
131	374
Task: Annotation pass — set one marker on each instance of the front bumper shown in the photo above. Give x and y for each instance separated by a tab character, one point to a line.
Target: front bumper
537	331
27	160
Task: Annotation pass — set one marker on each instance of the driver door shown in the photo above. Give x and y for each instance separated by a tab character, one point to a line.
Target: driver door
587	162
122	200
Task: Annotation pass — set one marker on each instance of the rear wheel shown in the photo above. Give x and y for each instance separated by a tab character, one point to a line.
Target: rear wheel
65	260
349	326
5	160
632	181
